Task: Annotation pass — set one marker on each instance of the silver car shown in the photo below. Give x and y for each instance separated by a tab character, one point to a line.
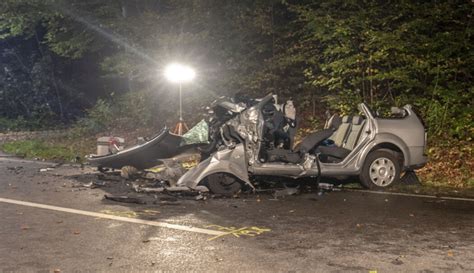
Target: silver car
250	138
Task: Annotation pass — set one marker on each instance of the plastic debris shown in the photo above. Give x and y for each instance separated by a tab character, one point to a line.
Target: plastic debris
93	184
410	178
16	169
109	177
128	171
325	186
124	199
285	192
201	188
148	190
200	197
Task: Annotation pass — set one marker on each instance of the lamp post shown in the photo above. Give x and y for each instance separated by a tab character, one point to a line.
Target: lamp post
178	73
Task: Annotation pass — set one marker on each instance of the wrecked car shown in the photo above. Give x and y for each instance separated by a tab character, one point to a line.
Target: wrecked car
251	138
244	138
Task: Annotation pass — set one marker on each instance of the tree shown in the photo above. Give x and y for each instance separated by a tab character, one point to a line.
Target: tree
392	53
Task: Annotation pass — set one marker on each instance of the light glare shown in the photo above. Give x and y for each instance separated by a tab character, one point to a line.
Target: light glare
179	73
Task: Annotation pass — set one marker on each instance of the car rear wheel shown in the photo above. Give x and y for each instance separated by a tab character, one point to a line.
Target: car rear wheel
223	183
381	170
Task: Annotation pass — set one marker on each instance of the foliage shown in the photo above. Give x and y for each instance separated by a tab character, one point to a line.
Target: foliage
450	165
392	53
18	124
128	111
343	52
97	119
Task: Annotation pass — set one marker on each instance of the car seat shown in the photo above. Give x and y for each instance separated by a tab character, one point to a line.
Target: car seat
351	132
342	131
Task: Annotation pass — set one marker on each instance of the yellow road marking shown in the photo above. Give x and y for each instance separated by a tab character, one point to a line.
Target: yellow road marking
237	232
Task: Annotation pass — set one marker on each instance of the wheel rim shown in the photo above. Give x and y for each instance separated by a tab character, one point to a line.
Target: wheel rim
223	184
382	172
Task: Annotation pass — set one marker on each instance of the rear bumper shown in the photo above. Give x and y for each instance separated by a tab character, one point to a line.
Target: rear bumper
417	158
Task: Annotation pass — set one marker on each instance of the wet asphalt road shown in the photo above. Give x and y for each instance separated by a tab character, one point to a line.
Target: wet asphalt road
339	231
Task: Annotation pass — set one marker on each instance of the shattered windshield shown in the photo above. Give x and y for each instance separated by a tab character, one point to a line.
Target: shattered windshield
198	134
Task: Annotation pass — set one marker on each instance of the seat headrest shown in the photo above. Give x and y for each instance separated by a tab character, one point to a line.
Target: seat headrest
346	119
357	120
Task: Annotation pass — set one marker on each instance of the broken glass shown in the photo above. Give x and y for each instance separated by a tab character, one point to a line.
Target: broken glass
198	134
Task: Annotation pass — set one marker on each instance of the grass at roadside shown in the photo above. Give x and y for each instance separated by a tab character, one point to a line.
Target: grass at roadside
39	149
72	147
59	150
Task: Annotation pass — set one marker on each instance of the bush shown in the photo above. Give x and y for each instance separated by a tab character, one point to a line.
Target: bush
97	119
131	110
21	124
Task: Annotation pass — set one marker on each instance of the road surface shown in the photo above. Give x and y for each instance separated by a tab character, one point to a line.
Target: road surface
49	222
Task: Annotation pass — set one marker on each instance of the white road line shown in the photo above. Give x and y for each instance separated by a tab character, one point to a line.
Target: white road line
413	195
113	217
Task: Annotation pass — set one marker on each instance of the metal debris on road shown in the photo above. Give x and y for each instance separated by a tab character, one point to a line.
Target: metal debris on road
325	186
410	178
201	197
128	172
170	171
109	177
285	192
139	189
92	184
16	170
124	199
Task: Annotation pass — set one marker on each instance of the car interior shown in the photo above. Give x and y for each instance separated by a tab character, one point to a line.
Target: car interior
344	139
333	144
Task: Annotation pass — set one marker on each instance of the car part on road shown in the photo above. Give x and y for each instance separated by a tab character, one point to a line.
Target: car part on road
285	192
124	199
128	172
142	156
93	184
410	178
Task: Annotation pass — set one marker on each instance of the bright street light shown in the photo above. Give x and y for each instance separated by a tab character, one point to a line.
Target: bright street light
178	73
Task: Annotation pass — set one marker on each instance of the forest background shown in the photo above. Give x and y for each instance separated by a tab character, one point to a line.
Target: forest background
96	66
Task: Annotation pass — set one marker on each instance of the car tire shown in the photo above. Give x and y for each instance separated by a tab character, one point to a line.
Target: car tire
381	170
223	184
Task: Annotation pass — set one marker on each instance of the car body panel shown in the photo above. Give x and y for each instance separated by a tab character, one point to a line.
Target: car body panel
163	145
230	161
